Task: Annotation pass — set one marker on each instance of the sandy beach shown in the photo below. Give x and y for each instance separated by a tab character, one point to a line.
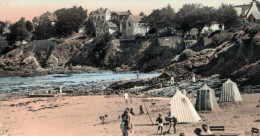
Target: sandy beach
79	116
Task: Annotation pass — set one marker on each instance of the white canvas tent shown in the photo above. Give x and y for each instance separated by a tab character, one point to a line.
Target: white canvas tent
182	108
230	92
206	99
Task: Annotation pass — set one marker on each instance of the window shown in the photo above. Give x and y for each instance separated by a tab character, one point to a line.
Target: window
94	18
129	24
103	17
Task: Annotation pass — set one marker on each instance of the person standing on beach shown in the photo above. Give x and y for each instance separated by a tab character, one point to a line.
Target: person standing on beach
126	124
141	110
172	120
126	97
159	120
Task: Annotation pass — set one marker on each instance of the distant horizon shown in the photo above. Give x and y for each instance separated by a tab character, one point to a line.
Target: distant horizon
13	10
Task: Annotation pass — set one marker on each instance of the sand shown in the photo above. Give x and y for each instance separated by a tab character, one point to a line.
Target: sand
79	116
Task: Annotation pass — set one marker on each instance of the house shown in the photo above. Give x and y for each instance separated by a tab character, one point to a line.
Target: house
134	27
100	16
114	22
120	18
111	28
249	12
107	27
120	15
46	16
212	28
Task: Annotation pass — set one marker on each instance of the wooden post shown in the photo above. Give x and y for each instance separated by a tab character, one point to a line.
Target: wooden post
148	113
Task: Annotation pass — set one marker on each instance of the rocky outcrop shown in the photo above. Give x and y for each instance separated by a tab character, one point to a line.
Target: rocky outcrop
232	54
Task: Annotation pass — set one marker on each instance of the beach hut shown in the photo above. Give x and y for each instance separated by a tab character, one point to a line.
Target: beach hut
182	108
230	92
206	99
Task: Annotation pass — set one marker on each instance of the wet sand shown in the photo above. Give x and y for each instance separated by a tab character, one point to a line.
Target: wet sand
79	116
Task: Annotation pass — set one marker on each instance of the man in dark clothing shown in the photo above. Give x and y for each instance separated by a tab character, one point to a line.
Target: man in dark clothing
141	110
171	120
160	123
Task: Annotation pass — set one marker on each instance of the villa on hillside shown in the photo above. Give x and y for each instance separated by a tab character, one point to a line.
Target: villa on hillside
134	27
114	22
249	12
49	16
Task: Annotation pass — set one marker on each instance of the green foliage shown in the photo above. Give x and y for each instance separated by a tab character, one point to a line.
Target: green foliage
185	17
44	30
69	20
160	18
107	37
18	31
195	16
141	13
227	15
2	26
90	28
4	47
29	26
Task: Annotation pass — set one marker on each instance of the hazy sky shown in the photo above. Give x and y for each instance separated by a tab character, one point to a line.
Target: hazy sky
13	10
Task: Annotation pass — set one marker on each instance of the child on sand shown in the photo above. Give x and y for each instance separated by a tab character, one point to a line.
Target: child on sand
159	120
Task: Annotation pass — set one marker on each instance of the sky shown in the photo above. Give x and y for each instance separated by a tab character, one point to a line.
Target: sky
13	10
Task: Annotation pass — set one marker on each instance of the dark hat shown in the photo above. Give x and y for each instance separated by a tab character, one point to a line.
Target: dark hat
160	115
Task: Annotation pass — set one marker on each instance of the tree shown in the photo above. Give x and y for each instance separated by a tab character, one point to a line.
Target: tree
185	18
44	30
2	26
69	20
160	18
141	13
29	26
18	31
90	28
204	16
227	15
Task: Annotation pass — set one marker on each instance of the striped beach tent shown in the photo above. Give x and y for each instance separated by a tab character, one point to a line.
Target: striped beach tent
230	92
182	108
206	99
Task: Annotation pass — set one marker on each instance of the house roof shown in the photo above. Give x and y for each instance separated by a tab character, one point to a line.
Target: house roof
136	18
122	13
52	17
99	11
111	25
250	9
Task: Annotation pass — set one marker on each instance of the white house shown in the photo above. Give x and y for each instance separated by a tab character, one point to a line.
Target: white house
249	12
213	27
134	27
100	16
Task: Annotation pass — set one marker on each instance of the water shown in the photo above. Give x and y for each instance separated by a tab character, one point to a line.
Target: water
46	82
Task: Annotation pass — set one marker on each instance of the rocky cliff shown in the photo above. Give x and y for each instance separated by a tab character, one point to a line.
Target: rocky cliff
234	54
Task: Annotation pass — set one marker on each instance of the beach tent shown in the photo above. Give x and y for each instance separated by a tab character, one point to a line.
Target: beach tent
182	108
230	92
206	99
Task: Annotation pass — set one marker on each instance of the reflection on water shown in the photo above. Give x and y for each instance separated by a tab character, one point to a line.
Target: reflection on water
18	84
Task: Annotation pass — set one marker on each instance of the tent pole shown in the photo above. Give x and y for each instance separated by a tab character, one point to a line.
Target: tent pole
148	112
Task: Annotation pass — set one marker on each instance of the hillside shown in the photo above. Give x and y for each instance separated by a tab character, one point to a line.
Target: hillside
232	54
